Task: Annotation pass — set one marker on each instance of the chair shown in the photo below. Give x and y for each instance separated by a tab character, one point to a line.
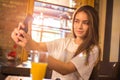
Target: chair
94	74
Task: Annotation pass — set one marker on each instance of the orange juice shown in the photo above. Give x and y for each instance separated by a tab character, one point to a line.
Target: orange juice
38	70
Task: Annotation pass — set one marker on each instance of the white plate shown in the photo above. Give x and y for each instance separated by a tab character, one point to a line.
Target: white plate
20	78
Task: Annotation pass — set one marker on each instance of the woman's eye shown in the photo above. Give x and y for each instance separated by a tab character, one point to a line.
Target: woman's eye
86	22
75	20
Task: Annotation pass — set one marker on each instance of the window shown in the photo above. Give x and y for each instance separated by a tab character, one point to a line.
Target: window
50	21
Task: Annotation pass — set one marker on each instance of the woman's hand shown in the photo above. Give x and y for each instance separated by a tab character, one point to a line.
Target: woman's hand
19	36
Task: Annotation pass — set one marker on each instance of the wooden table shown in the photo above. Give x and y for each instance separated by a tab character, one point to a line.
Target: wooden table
15	69
9	68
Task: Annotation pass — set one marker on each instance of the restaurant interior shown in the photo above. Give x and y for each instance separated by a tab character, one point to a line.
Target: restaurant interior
53	20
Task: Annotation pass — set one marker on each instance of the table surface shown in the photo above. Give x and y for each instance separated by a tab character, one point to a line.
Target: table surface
25	64
15	68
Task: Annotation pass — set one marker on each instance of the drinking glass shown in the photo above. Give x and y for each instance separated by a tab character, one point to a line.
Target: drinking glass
38	64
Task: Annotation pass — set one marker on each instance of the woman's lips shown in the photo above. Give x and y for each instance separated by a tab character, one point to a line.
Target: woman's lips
80	32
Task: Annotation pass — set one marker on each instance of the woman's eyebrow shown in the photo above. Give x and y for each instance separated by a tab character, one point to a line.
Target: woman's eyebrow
86	20
80	20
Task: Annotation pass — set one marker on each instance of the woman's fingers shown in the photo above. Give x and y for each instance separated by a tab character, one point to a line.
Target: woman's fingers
15	34
19	37
24	38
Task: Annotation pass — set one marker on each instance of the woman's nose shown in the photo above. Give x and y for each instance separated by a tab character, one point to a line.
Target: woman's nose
80	25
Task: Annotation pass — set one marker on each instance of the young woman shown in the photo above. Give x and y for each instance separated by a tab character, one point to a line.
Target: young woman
69	58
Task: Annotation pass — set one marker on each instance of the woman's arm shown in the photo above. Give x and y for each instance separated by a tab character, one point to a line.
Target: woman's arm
60	67
32	45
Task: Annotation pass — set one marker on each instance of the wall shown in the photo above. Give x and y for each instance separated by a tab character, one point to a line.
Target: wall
115	33
11	12
102	12
84	2
110	30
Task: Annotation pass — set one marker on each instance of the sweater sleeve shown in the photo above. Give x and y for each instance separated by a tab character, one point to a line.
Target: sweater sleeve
56	47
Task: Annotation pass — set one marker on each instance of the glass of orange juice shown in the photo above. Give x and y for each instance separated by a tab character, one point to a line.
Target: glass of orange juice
38	64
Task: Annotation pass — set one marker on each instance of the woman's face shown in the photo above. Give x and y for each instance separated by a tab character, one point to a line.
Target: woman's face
81	24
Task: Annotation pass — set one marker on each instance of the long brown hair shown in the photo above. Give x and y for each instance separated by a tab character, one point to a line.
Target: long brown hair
92	37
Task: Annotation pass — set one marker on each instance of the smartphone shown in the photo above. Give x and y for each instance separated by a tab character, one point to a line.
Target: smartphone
27	19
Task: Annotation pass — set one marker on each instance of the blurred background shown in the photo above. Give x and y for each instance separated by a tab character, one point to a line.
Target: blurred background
53	19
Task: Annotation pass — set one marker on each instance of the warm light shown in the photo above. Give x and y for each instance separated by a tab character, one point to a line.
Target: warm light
72	3
60	2
51	21
38	20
